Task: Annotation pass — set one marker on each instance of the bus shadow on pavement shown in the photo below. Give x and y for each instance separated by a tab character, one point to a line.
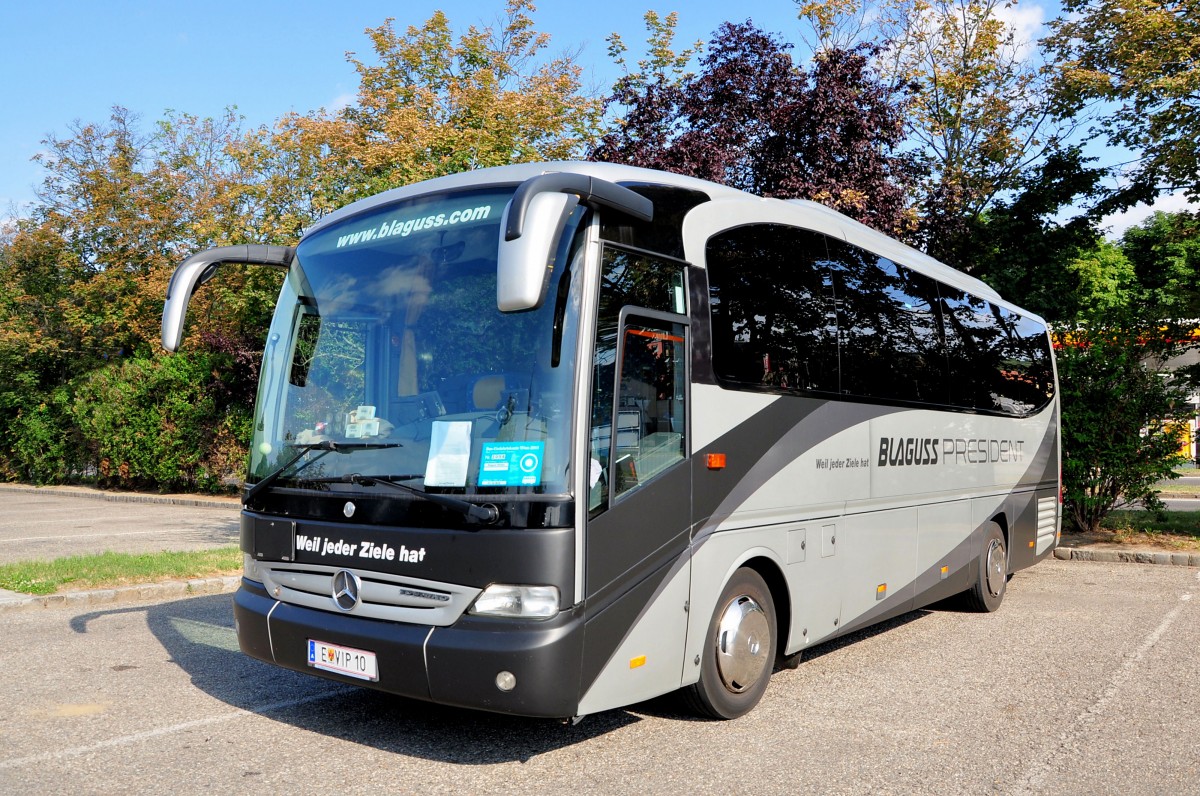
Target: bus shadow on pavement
198	635
671	707
854	636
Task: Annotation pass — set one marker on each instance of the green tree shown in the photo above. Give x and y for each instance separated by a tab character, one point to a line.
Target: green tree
161	423
981	113
38	352
98	199
1105	279
429	104
1123	413
1164	251
128	206
1022	248
1141	60
82	278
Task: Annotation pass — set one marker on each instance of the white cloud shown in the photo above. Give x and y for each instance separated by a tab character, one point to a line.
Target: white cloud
1169	203
1028	25
1026	22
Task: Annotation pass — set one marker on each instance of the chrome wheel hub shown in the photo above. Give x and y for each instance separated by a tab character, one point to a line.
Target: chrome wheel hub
996	565
743	644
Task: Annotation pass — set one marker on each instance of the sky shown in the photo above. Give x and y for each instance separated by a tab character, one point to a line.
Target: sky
65	61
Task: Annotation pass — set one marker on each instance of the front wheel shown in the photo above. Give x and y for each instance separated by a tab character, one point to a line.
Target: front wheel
739	650
991	570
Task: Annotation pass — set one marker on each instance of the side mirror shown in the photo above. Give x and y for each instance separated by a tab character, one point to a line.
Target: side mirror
198	269
533	222
523	264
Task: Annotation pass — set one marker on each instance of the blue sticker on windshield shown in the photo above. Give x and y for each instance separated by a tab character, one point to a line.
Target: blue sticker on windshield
511	463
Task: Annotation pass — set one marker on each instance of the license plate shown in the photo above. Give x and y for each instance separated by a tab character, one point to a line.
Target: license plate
343	660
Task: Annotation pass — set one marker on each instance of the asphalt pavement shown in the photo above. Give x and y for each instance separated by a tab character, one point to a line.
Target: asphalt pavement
41	524
1078	685
1082	683
45	523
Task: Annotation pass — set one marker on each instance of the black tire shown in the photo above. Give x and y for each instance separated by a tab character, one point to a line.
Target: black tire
991	573
736	663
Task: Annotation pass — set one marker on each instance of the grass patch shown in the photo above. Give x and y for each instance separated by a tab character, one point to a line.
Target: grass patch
1175	489
1179	529
117	569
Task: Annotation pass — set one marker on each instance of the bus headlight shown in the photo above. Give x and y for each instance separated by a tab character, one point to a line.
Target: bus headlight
250	568
520	602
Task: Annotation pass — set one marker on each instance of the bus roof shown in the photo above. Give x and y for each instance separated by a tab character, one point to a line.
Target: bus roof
805	212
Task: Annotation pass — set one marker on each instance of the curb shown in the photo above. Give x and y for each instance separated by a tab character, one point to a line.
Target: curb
1128	556
145	592
125	497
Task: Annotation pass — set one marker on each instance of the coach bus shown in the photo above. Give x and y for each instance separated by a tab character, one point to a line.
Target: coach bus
551	439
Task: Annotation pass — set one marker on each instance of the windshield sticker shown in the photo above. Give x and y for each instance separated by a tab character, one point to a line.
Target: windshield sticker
449	453
406	224
511	464
362	423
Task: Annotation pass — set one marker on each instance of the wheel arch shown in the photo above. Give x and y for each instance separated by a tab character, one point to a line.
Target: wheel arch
714	564
1000	518
768	569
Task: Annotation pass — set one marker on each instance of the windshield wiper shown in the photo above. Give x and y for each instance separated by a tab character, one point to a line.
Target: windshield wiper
325	447
486	514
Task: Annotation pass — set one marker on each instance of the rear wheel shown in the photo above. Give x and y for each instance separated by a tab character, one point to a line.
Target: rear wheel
739	650
991	572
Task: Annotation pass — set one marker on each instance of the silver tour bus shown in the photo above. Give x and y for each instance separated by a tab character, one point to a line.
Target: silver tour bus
550	439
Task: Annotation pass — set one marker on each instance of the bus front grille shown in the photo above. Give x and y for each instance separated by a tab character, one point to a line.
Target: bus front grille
381	596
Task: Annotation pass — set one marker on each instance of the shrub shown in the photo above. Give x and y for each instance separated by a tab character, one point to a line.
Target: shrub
155	423
44	444
1121	416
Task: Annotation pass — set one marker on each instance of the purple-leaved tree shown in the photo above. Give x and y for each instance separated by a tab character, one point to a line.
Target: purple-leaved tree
752	119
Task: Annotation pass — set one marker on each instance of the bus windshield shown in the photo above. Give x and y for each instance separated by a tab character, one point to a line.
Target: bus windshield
387	343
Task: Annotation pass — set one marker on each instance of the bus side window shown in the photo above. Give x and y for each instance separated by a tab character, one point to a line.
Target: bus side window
651	402
1026	372
974	346
655	284
890	343
773	323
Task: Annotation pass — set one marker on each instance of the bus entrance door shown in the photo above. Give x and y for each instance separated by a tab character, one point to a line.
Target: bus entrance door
636	580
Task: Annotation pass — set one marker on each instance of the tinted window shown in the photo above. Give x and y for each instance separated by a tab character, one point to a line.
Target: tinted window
772	311
975	338
999	361
664	233
794	310
891	340
1026	372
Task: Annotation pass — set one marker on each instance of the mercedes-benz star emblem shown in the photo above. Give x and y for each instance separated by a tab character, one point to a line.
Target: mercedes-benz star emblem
346	589
348	509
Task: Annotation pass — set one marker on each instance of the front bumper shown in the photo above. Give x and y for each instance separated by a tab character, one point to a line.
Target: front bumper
455	665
